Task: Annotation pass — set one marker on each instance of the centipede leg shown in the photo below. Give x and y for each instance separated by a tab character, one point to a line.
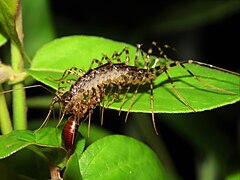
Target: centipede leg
117	55
152	107
95	61
102	95
123	100
177	92
203	82
116	94
77	72
132	101
89	122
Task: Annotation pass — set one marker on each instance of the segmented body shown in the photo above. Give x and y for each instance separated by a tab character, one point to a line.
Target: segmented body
88	90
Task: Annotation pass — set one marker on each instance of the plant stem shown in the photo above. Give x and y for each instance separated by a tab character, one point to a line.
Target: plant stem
19	97
5	121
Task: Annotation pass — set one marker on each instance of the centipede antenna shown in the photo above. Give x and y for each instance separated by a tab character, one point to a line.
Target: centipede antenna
131	103
27	87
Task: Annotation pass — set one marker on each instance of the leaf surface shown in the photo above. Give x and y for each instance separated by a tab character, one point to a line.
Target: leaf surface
61	54
120	157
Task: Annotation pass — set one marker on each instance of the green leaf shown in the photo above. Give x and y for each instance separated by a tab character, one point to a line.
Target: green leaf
24	164
8	11
50	62
120	157
44	142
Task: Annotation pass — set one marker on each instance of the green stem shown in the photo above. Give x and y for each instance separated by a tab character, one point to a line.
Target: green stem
5	121
19	97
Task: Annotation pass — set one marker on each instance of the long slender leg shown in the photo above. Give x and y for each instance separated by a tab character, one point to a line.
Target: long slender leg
138	52
109	93
160	50
210	66
73	71
177	63
123	100
89	122
132	101
102	95
77	72
99	62
89	112
177	92
205	83
117	56
152	107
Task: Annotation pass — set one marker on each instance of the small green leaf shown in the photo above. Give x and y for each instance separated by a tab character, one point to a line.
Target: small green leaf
50	62
120	157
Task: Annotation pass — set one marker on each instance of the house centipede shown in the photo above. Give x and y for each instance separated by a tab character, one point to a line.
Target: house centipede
80	99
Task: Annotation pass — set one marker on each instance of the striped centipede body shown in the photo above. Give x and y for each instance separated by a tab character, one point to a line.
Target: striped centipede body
79	100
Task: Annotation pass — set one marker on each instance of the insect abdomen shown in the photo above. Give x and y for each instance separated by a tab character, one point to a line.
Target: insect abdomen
69	134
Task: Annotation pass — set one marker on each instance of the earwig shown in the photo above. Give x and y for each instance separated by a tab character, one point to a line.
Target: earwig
79	99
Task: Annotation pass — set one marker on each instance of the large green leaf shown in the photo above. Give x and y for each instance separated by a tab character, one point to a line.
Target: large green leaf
52	59
120	157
